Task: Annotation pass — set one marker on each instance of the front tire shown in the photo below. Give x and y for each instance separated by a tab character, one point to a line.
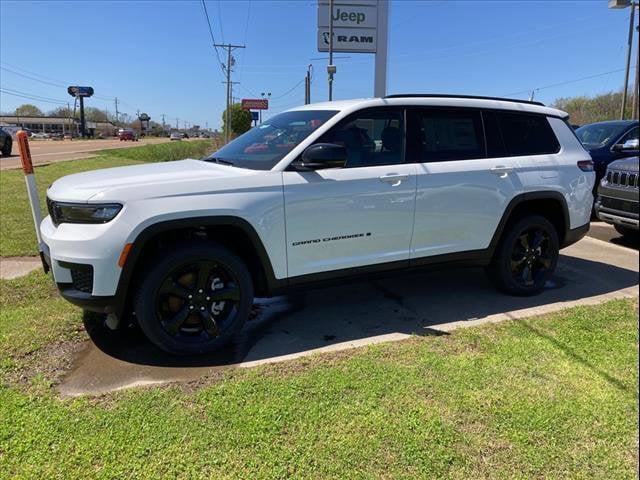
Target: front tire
526	256
194	299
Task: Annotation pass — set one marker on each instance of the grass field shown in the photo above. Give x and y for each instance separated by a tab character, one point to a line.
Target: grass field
549	397
17	235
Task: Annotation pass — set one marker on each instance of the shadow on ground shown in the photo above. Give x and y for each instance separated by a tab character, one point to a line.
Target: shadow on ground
408	304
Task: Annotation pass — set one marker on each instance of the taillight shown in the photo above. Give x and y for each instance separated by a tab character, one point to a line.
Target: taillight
586	165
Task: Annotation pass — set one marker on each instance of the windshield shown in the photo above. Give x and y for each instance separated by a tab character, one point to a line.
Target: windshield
599	134
265	145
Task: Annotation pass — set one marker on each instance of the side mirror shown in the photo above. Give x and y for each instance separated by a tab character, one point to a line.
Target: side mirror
323	155
628	146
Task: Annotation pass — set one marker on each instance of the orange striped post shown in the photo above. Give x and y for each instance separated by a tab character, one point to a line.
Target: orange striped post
32	190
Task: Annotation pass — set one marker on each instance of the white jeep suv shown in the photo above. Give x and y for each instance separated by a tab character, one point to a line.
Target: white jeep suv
319	193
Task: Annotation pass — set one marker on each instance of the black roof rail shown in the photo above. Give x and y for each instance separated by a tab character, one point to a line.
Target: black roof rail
446	95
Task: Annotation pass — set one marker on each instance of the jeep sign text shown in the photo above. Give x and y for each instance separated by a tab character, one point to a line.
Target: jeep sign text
362	16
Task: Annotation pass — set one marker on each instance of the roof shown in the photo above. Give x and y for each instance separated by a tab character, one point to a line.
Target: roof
437	101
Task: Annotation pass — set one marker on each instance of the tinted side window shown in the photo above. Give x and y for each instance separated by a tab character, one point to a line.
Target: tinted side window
444	135
527	134
371	137
495	143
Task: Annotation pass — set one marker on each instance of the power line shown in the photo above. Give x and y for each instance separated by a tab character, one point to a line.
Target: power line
220	21
289	91
17	93
213	40
565	83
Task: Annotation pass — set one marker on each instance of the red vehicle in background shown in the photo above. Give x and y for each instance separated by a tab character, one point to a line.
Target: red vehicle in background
126	134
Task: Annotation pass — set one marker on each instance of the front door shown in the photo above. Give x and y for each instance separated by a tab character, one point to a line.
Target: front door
358	215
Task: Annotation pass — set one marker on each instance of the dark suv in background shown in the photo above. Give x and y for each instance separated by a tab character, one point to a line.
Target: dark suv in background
606	141
617	200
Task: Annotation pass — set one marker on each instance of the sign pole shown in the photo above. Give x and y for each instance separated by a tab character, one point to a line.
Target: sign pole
330	68
30	180
380	79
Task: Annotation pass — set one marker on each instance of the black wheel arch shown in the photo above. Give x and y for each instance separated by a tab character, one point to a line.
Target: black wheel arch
550	204
237	234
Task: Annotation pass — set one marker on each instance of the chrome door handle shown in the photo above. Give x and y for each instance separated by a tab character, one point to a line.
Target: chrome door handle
501	170
394	179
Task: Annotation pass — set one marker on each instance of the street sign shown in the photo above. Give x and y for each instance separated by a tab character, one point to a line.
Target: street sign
255	116
76	91
354	40
255	104
144	117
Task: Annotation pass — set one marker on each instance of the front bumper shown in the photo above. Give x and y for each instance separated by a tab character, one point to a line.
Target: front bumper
621	209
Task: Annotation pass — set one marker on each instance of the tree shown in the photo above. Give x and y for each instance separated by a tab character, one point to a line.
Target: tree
583	109
240	119
28	110
61	112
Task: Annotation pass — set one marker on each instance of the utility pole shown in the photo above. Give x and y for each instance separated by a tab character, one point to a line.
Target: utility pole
629	47
307	85
177	120
380	78
636	93
229	67
331	68
163	127
116	102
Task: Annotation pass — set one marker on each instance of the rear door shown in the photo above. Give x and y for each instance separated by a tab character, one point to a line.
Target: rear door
461	192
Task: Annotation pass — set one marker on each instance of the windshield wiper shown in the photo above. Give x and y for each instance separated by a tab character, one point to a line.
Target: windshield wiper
218	160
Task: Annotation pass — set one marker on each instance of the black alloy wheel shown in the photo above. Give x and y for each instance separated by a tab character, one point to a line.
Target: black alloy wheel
194	299
526	256
531	256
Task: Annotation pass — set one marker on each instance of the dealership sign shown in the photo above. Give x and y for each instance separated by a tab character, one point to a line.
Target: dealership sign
354	26
76	91
255	104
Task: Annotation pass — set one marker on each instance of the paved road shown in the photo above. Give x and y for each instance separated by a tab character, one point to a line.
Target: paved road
49	151
358	314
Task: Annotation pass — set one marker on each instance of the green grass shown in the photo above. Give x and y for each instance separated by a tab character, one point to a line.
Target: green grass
549	397
17	236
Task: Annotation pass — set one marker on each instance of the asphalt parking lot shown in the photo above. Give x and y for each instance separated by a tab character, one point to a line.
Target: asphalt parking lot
359	314
50	151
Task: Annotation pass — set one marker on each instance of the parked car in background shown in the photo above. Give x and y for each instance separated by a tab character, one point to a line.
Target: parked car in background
605	142
40	135
617	201
175	136
56	136
125	134
6	142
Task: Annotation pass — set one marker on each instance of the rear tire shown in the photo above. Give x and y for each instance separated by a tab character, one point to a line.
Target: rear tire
526	256
194	299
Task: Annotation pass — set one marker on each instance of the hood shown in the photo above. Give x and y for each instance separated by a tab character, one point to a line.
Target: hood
629	164
142	181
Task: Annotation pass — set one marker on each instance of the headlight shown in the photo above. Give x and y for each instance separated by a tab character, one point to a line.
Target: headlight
81	212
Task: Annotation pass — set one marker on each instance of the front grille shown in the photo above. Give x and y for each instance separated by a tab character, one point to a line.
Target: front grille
82	278
619	204
622	179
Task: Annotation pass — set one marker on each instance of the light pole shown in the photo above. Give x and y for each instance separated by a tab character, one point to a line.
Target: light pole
618	4
268	94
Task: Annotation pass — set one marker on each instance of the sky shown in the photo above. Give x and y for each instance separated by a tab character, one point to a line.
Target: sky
157	56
